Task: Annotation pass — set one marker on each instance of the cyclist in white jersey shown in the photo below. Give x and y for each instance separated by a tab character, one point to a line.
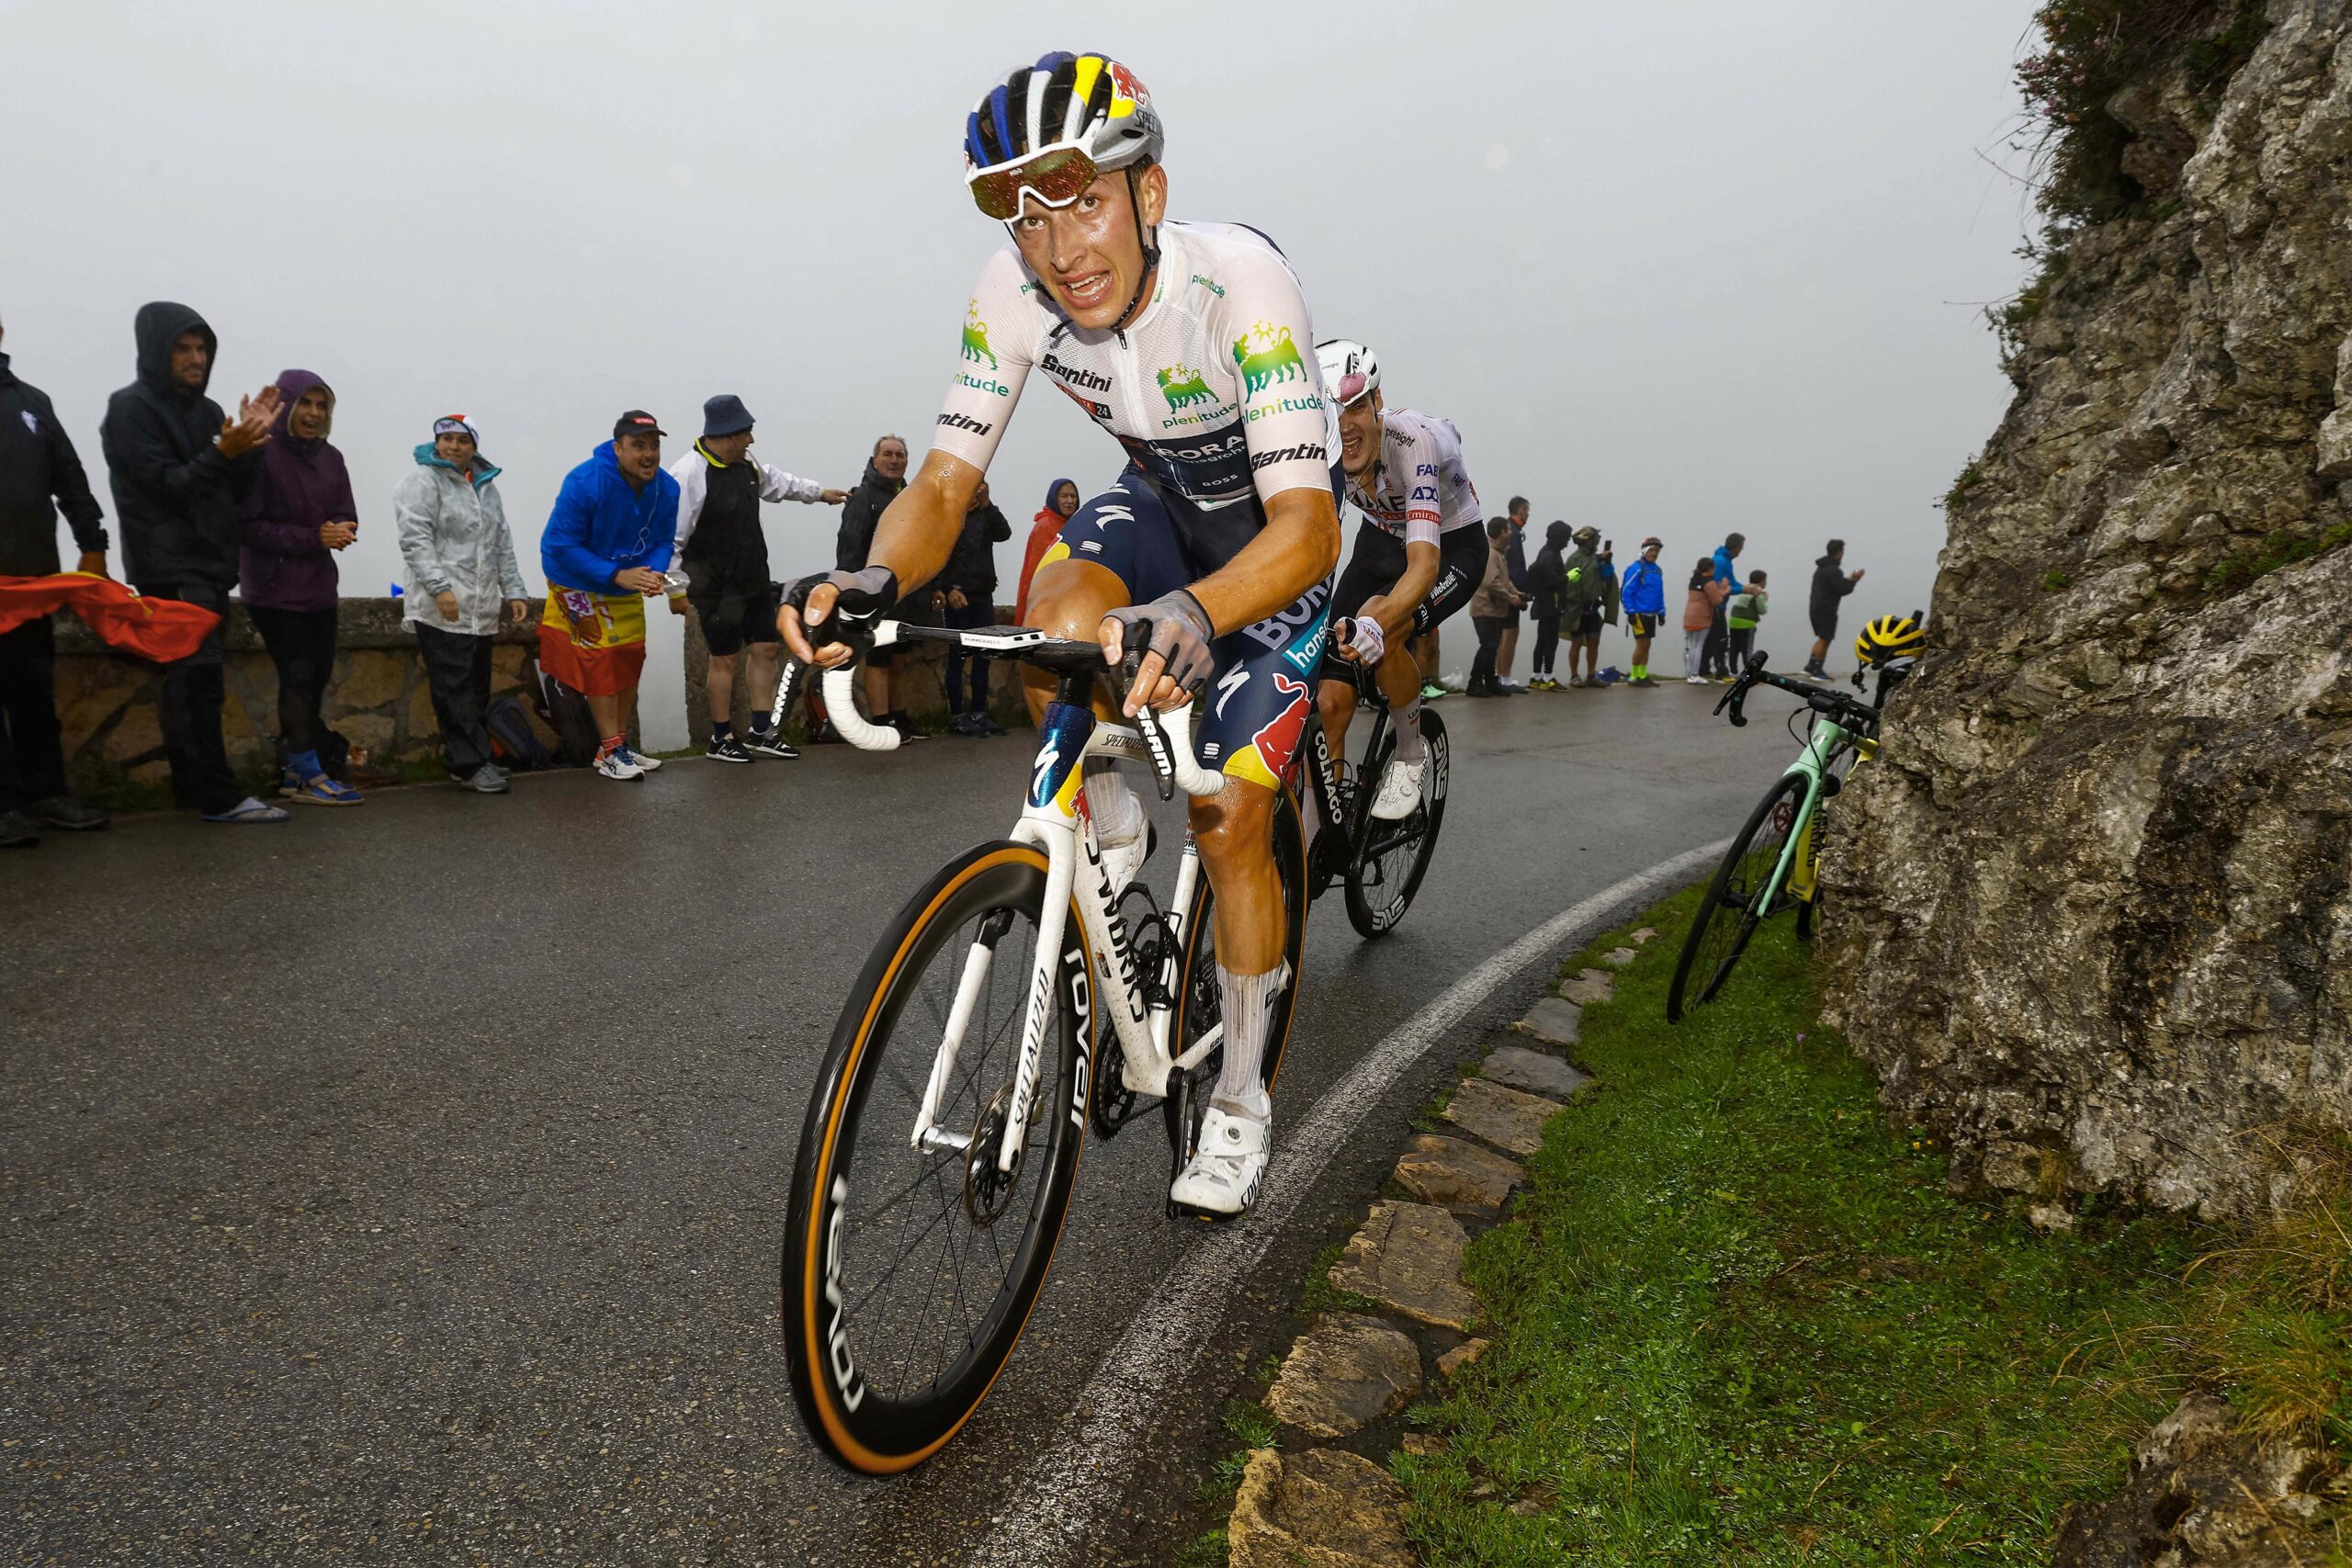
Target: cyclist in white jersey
1417	559
1211	552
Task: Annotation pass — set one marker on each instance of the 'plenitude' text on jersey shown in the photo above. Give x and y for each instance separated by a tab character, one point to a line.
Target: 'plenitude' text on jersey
1214	392
1420	489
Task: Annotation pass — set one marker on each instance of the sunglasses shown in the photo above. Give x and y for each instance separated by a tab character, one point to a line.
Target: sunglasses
1056	177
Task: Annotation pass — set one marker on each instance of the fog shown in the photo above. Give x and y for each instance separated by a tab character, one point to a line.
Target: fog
1675	268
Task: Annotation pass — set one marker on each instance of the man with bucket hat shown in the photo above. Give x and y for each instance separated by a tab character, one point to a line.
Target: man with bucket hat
722	559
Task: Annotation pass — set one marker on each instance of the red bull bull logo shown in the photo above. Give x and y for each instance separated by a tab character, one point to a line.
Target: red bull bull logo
1268	755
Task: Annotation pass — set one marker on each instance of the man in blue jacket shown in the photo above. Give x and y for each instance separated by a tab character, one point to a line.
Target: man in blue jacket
1643	598
606	550
1712	654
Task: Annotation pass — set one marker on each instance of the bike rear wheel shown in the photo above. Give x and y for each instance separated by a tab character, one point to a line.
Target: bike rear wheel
1382	878
1733	906
1200	1002
909	1272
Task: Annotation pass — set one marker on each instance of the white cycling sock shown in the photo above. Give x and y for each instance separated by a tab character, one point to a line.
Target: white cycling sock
1408	720
1118	815
1249	1007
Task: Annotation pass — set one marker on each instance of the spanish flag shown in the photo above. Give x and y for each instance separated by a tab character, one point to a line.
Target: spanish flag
160	629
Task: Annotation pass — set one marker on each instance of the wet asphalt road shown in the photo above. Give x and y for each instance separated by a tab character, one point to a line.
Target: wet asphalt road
404	1184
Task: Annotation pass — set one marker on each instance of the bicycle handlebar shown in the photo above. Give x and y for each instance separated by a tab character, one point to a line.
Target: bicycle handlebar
1824	700
1169	735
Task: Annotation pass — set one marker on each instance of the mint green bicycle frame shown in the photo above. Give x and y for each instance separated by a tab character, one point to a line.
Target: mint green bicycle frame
1798	862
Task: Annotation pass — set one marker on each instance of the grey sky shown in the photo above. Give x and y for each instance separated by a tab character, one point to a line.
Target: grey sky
1672	267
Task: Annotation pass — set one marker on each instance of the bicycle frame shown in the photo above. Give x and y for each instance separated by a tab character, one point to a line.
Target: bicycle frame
1055	819
1794	869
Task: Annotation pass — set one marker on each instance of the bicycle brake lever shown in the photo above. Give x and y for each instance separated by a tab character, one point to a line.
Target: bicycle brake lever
1163	760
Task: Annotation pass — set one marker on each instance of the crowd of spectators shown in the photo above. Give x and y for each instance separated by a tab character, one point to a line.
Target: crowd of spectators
260	503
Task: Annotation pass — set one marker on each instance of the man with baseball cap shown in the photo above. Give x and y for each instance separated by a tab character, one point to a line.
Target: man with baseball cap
608	544
1644	597
723	556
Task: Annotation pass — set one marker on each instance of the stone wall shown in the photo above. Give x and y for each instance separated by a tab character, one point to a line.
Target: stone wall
2090	912
378	699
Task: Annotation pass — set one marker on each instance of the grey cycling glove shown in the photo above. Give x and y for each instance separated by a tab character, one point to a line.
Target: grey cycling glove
1175	627
866	597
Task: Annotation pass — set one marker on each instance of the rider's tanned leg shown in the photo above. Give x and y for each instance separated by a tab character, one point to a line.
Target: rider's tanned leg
1336	701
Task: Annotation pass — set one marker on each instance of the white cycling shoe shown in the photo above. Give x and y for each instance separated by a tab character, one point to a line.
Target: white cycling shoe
1400	789
1221	1181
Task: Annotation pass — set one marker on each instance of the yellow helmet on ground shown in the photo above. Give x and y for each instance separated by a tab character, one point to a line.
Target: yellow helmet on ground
1891	642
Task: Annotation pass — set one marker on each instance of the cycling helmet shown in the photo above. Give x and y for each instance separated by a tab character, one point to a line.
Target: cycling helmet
1891	642
1351	370
1049	129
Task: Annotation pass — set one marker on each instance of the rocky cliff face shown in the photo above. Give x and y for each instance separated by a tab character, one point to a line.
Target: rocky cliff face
2090	912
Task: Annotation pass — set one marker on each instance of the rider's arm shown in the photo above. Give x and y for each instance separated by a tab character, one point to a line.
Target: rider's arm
1297	549
1394	610
919	528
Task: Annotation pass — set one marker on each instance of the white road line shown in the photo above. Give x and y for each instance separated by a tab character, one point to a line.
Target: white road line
1068	1488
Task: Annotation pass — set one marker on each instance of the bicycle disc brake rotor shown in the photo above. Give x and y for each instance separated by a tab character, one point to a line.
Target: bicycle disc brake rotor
1784	814
987	1192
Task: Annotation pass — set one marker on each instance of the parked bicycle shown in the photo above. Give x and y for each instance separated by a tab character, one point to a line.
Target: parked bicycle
1772	867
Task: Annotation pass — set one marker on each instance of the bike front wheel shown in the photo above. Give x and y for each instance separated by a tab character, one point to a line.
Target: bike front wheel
910	1269
1735	903
1387	872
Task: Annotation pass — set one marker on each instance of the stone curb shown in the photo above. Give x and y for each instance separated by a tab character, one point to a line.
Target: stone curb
1329	1505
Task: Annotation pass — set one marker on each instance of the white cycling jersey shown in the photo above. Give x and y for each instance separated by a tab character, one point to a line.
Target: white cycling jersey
1215	391
1420	490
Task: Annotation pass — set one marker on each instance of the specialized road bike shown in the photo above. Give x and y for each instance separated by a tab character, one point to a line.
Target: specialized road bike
1771	865
940	1146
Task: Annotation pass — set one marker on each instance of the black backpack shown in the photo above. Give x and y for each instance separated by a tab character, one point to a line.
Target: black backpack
566	711
515	744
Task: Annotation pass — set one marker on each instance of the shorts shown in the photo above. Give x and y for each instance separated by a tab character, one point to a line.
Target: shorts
1154	542
1586	622
729	621
1379	560
593	643
1641	623
1825	624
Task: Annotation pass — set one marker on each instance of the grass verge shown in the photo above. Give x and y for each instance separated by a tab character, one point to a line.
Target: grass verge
1736	1318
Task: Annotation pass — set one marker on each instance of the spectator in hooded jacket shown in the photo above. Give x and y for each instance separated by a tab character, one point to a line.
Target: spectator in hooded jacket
463	579
1643	594
1830	585
1061	506
180	468
1701	610
298	513
1547	592
969	582
885	476
722	553
607	545
39	471
1741	614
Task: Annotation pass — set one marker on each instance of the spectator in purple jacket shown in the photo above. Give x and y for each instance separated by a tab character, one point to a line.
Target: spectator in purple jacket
298	513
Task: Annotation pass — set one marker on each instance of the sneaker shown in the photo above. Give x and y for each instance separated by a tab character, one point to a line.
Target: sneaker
18	831
488	779
320	790
725	749
64	811
1694	680
618	765
968	725
1816	672
1400	789
248	810
1508	687
905	726
1431	691
990	727
1220	1182
770	743
1641	681
644	763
